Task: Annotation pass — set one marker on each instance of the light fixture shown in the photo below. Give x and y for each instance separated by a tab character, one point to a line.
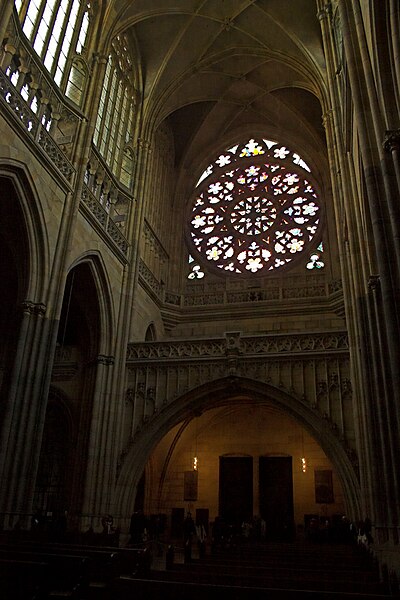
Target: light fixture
195	463
303	458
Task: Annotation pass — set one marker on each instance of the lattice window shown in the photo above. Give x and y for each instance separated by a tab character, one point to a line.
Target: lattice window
196	271
116	113
256	209
316	260
57	30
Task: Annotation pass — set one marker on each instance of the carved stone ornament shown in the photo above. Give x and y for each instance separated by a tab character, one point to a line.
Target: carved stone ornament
392	140
34	308
105	360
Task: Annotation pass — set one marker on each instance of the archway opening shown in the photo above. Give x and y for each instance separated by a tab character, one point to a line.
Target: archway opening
14	269
284	477
73	379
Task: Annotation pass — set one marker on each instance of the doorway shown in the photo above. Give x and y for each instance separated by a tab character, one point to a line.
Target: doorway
235	489
276	496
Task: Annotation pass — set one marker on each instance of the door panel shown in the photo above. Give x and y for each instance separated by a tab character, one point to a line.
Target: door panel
235	489
276	496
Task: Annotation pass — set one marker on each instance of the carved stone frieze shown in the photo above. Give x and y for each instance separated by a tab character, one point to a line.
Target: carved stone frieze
249	346
310	368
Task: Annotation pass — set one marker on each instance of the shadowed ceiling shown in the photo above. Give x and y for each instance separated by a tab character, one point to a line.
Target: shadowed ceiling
214	68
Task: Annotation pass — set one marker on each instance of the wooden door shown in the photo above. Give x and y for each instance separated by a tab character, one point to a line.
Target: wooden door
276	496
235	489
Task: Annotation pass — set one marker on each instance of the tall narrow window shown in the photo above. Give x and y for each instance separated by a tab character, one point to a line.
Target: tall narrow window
76	82
113	133
57	30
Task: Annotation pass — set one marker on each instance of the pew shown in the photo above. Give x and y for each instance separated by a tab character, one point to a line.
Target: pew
76	571
58	575
22	579
108	559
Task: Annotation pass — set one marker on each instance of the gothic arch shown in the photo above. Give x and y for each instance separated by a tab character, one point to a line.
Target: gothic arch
19	177
224	392
54	479
102	285
23	264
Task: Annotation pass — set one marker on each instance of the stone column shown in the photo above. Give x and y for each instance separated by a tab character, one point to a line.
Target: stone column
6	10
126	315
25	412
382	211
391	145
100	474
353	259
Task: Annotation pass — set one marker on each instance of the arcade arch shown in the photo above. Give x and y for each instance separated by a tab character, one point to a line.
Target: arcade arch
165	433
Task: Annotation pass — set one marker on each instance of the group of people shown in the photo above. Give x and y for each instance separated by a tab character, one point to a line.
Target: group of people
339	529
143	529
223	534
191	532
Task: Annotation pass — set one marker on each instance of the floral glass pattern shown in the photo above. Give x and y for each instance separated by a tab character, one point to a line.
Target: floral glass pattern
255	210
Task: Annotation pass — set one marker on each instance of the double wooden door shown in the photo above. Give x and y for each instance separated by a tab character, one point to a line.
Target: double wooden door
275	492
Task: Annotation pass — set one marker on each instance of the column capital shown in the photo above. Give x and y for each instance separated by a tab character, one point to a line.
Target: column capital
100	58
102	359
327	117
392	140
144	144
33	308
325	12
374	282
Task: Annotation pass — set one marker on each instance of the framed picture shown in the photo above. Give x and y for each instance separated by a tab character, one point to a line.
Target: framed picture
323	486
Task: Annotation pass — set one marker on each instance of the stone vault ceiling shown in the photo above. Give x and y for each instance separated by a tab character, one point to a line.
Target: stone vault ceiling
217	68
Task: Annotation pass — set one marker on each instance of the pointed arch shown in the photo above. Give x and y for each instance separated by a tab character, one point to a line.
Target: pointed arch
19	177
96	265
223	393
55	469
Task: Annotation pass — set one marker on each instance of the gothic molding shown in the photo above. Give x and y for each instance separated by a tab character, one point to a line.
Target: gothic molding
312	369
249	346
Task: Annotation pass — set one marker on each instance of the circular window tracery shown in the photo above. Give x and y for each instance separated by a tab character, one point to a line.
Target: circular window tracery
255	208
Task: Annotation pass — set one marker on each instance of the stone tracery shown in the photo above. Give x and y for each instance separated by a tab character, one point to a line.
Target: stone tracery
255	209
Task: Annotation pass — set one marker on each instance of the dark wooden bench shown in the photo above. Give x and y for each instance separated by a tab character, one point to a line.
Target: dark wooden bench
103	563
63	575
129	561
22	579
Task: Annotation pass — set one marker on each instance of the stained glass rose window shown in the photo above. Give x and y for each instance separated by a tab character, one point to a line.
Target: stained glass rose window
255	209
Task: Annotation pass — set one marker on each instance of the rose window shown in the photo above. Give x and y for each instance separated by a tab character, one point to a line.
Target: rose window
256	209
